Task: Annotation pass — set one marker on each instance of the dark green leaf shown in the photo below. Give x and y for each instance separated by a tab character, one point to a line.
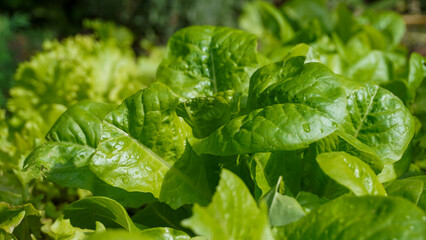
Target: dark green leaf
205	114
309	201
85	212
378	121
11	217
274	128
311	84
232	214
161	215
378	217
412	188
192	179
272	166
204	60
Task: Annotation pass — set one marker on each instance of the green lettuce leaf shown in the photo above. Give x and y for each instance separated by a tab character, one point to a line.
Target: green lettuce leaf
206	114
127	155
232	214
72	143
282	209
416	74
86	212
412	188
192	179
344	217
351	172
62	229
296	105
292	81
273	128
162	215
140	141
379	121
204	60
263	19
148	234
269	167
390	24
18	222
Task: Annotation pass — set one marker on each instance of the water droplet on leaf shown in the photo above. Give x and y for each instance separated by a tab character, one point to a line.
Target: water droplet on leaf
306	127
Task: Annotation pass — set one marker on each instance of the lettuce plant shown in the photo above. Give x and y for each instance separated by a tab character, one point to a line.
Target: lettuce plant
226	146
100	67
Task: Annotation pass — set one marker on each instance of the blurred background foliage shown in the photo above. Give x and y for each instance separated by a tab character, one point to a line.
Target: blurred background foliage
24	24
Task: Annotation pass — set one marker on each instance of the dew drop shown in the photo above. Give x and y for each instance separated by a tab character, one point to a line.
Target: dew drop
306	127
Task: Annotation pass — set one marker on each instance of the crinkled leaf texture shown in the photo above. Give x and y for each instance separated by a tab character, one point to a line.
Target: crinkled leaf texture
350	172
367	217
232	214
203	60
296	104
206	114
378	120
143	142
273	128
129	153
140	141
293	81
65	158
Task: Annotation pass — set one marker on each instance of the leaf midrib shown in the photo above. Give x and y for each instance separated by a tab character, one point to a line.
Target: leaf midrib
145	148
370	105
162	161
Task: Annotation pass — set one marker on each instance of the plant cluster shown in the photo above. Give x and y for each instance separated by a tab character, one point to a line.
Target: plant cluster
100	66
319	135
